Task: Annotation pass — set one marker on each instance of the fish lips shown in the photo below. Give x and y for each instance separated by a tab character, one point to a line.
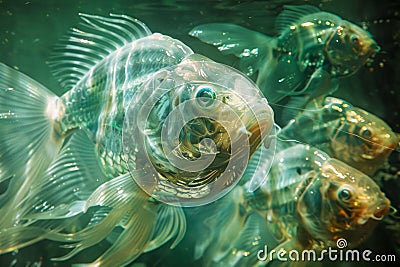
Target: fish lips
258	127
380	210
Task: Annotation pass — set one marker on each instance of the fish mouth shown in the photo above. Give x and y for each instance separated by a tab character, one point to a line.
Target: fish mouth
373	49
369	52
258	128
369	49
379	211
381	149
256	134
372	152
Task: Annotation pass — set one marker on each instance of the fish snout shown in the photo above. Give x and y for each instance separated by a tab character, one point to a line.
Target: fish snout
370	50
380	210
259	123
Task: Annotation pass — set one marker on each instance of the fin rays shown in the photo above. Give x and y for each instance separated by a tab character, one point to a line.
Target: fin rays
94	39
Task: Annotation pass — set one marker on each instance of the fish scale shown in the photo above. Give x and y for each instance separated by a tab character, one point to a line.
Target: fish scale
101	94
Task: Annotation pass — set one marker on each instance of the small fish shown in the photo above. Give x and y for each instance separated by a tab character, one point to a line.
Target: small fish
136	106
313	49
345	132
309	201
316	199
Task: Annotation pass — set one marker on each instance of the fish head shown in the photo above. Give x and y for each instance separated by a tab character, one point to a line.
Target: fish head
348	48
341	202
206	123
224	114
363	140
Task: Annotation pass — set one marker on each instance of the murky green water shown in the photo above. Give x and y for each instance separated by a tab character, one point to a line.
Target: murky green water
30	29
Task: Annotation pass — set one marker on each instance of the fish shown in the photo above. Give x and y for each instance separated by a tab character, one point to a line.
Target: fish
312	51
145	127
309	201
348	133
332	200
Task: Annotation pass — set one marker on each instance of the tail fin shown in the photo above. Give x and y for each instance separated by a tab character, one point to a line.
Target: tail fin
28	140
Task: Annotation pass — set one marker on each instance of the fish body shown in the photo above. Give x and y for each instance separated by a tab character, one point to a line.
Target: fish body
309	201
345	132
127	135
100	99
312	50
316	199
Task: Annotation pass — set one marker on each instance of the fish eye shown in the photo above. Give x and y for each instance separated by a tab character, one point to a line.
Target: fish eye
365	133
355	40
205	96
345	194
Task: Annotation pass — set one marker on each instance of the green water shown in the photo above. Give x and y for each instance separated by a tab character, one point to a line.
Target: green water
30	29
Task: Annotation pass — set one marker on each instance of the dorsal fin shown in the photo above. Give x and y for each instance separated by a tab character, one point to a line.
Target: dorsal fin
95	38
291	14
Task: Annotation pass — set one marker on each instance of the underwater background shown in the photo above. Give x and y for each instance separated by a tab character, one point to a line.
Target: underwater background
30	29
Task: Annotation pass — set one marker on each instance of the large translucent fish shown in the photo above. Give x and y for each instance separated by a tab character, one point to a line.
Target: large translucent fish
345	132
144	120
312	50
309	201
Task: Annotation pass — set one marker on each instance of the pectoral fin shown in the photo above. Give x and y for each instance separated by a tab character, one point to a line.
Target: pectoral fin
280	79
318	86
171	222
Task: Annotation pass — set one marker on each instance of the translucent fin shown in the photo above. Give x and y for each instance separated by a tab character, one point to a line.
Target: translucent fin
281	79
246	244
171	222
89	236
319	85
295	105
216	218
125	198
69	181
94	39
128	207
114	192
257	169
28	140
202	243
138	228
251	46
291	15
99	215
19	236
134	239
